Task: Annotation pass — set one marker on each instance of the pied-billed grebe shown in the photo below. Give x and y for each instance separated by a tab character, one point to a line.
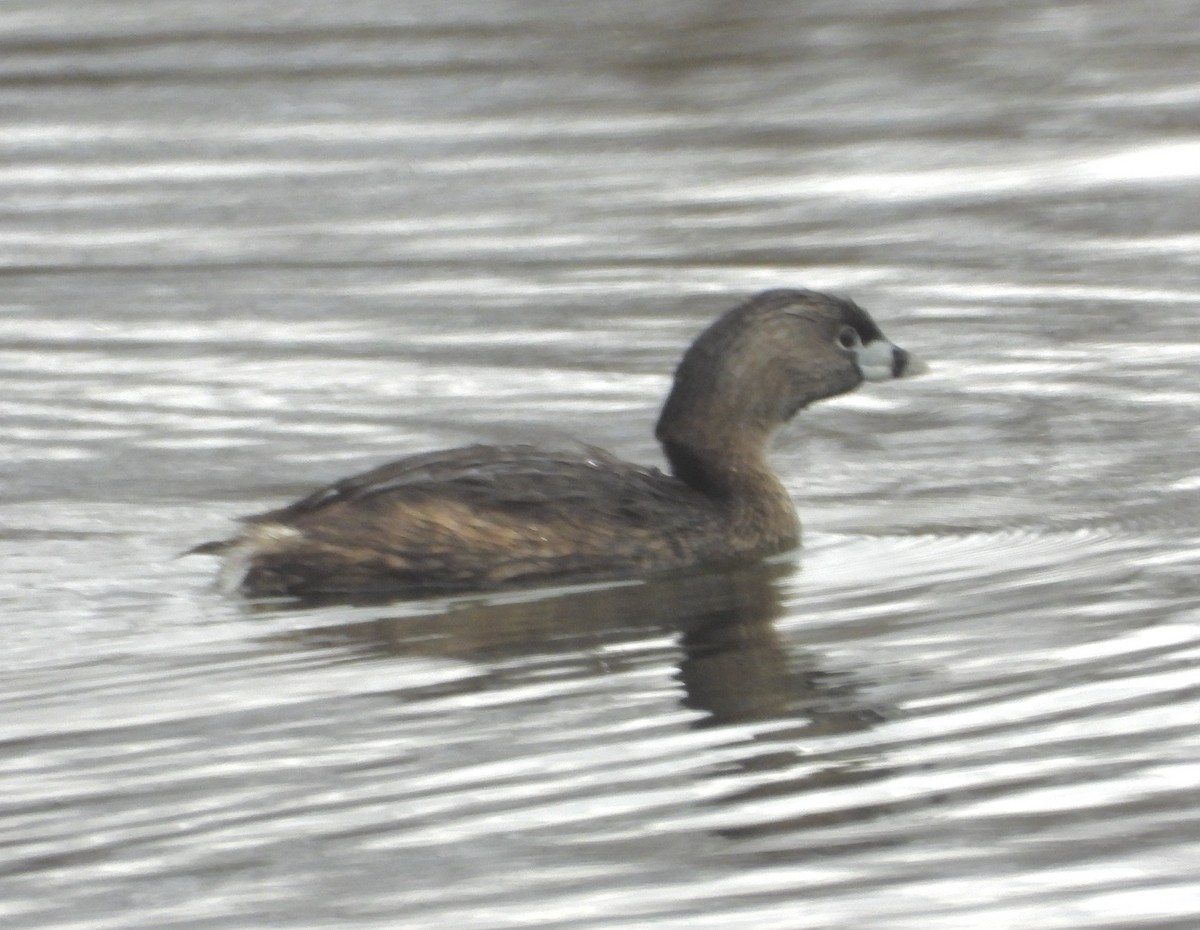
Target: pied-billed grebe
488	517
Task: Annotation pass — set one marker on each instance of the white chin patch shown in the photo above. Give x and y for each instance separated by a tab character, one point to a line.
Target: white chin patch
876	360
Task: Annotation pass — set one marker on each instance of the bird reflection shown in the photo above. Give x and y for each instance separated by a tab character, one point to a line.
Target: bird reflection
778	700
733	666
736	668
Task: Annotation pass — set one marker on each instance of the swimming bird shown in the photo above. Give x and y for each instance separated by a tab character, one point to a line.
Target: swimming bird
484	517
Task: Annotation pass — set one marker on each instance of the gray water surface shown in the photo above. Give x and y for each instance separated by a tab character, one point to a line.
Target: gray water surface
247	248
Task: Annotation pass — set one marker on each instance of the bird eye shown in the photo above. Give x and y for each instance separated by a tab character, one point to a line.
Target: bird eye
848	338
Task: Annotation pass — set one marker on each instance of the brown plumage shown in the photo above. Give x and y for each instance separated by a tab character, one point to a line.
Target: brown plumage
489	517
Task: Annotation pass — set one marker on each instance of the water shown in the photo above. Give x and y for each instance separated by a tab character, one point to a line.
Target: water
249	248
